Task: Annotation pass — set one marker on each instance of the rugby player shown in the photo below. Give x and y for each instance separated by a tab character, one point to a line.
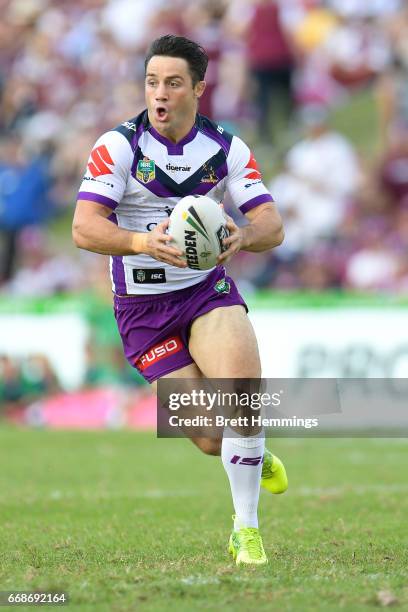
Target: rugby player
136	174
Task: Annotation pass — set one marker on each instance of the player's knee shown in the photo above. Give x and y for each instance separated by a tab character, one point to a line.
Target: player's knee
209	446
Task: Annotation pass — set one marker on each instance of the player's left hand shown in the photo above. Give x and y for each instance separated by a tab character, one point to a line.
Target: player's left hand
233	242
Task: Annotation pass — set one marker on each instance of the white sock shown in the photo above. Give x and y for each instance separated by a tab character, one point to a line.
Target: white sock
242	460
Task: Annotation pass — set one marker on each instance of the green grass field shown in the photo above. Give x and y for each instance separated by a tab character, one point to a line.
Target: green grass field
122	521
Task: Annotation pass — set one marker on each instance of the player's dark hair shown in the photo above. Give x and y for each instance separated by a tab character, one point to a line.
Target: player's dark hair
178	46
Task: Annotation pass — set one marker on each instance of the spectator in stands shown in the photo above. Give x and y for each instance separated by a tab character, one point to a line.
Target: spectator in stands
321	173
374	265
357	50
203	21
25	195
24	380
42	272
392	98
270	63
11	383
39	378
394	168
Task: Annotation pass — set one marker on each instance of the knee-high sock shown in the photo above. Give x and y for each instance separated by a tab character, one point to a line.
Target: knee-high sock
242	459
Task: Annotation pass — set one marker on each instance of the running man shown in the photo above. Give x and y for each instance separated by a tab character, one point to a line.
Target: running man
136	174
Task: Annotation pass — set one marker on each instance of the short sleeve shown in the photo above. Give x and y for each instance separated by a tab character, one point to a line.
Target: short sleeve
244	181
107	171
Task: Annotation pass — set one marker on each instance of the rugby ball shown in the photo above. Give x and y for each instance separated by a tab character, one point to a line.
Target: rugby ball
198	227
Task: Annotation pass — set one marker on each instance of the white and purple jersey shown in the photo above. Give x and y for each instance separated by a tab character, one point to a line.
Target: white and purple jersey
141	176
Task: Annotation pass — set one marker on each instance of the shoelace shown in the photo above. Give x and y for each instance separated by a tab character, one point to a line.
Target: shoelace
267	467
250	538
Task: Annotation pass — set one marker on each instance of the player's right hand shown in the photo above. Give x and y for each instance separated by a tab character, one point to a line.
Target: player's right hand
157	246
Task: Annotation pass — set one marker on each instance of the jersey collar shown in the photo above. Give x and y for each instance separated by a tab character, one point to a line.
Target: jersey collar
174	148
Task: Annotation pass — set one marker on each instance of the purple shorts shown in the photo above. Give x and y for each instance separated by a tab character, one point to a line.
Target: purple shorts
155	329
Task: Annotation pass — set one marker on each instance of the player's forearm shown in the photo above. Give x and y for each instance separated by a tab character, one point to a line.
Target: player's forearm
102	236
262	233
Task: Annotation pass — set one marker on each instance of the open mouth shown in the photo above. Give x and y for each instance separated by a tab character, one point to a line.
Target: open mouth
161	113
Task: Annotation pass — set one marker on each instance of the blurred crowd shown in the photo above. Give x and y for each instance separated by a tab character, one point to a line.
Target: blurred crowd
278	70
26	380
23	381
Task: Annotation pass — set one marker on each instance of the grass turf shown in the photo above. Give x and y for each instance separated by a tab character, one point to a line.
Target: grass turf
122	521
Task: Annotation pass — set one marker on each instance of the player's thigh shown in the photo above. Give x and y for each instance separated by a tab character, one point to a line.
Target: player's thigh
223	344
190	371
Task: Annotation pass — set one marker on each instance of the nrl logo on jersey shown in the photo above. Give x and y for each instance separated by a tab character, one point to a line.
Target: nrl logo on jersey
146	170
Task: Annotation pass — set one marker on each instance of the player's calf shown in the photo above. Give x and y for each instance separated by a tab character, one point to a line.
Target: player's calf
209	446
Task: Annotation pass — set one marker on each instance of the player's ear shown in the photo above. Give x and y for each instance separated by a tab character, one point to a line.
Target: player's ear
199	88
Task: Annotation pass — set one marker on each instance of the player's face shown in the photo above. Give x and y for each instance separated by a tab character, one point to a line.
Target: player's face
171	97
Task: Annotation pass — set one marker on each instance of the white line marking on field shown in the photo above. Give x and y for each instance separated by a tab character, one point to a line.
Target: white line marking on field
199	580
359	489
59	495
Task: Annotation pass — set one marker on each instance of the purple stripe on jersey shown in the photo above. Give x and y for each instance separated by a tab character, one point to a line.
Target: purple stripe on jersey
202	189
223	142
134	166
137	135
96	197
172	147
118	275
261	199
158	189
118	269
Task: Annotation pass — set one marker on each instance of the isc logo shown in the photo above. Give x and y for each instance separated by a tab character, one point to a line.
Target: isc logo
246	460
159	351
